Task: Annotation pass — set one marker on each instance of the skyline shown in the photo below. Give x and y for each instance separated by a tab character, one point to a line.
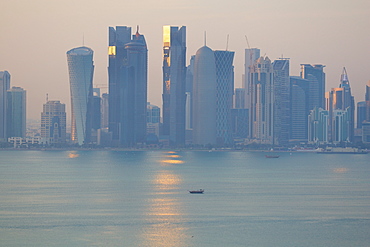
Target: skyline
39	33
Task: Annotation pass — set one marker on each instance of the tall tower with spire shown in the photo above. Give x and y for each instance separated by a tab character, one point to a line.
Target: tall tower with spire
341	102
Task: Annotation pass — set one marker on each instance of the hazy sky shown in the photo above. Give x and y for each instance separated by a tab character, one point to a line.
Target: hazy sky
35	36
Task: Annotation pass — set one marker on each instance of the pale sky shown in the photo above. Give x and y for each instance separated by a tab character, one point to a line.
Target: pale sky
35	36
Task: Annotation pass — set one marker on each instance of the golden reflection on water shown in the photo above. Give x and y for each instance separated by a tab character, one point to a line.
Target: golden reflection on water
164	211
73	155
172	157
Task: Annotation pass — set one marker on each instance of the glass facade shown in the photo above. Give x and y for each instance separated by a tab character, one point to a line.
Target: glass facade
262	102
16	112
174	80
81	69
224	94
4	87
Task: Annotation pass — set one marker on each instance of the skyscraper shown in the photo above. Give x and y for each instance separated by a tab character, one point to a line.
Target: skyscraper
281	101
204	98
135	100
318	122
174	73
367	100
262	102
127	86
224	95
53	122
251	55
81	69
361	113
299	110
4	87
16	112
104	110
117	77
315	74
341	99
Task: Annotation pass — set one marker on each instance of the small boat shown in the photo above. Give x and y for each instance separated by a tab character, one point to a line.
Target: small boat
196	191
272	156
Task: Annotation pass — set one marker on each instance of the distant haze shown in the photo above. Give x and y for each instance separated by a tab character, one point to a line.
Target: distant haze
35	36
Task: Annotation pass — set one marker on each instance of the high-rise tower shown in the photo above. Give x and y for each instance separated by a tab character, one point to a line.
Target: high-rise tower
262	102
128	65
53	122
367	100
174	74
341	99
204	98
16	112
117	76
315	74
4	87
81	69
251	55
224	95
299	109
281	101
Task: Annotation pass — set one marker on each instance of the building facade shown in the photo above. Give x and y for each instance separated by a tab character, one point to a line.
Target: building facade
299	111
4	87
315	74
318	122
128	65
16	112
250	56
117	77
174	74
81	70
281	102
262	102
53	123
224	94
341	99
361	113
204	98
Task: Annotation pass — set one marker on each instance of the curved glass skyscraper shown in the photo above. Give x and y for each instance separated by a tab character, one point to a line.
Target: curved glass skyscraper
204	99
81	69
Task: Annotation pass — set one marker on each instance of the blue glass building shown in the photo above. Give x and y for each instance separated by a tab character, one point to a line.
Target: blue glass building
81	70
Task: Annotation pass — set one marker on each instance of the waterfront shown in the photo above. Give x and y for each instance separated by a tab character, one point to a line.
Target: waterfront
140	198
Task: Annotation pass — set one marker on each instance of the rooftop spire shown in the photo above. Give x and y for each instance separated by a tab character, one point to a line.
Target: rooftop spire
137	31
344	78
205	38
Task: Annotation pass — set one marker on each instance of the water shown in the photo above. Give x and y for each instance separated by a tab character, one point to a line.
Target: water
140	198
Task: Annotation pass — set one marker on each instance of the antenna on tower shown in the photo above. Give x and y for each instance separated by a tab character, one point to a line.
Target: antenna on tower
227	42
47	97
83	39
205	38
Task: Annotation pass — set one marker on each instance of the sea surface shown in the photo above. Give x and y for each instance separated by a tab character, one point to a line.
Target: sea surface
141	198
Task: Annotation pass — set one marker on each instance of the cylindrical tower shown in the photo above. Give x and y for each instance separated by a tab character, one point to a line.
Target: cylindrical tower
81	69
204	99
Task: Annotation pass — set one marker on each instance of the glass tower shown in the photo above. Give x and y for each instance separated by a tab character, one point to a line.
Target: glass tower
128	65
315	74
174	80
281	101
224	95
81	69
16	112
4	87
262	102
204	98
